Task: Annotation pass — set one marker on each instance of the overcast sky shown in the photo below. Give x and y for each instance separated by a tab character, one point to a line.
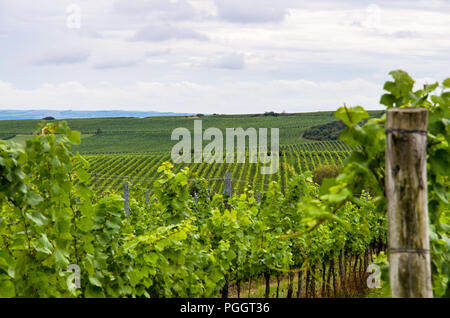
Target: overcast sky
215	56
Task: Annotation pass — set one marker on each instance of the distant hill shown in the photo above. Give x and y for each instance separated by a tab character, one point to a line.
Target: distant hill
153	133
66	114
331	130
328	131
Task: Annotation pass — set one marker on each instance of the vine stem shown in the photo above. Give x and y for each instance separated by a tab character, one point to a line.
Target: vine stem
26	229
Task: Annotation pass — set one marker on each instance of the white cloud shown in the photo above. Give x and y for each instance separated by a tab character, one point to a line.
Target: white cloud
114	55
158	52
164	32
174	10
65	56
115	63
251	11
202	54
184	96
233	61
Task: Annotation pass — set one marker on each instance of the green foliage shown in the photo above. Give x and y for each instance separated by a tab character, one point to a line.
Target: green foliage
365	166
328	131
182	244
400	89
326	171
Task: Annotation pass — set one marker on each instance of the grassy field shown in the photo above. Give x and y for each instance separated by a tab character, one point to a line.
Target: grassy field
21	139
152	134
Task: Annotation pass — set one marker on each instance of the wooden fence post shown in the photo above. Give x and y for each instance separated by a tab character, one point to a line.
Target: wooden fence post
227	185
258	197
126	197
407	211
227	188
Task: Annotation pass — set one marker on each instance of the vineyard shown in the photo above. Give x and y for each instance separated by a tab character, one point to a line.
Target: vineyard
186	243
153	135
64	234
109	172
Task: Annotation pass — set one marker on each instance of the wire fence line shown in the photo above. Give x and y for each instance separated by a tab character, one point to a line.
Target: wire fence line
227	189
128	178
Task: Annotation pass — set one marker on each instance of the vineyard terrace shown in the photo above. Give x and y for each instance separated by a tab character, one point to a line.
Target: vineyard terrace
213	152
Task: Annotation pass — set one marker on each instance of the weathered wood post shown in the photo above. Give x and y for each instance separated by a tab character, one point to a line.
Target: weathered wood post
227	185
126	198
258	197
227	188
407	212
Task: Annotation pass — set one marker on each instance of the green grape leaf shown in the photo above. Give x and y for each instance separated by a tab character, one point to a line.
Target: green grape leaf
61	258
7	288
75	137
43	245
440	161
33	198
446	83
351	115
388	100
37	218
94	292
83	175
95	281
